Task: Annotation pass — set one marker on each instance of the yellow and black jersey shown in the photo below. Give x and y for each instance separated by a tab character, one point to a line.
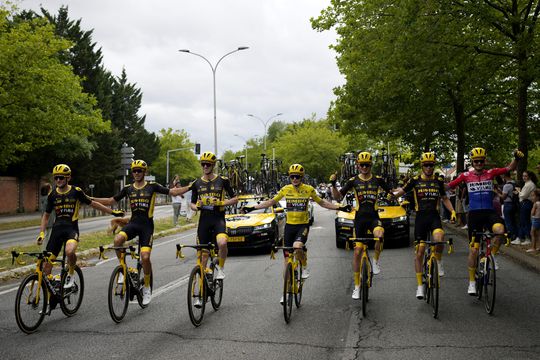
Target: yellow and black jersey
297	199
427	192
365	192
66	205
203	190
141	200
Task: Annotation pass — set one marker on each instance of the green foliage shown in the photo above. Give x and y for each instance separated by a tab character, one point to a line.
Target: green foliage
41	101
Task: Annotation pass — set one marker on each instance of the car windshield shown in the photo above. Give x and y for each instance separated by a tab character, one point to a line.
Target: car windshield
253	203
381	201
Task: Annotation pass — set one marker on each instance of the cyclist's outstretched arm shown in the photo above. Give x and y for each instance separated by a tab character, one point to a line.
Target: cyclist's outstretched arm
265	204
99	206
105	201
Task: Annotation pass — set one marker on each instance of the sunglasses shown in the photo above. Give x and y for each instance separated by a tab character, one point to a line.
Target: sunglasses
295	176
479	161
137	171
59	177
206	164
365	165
428	165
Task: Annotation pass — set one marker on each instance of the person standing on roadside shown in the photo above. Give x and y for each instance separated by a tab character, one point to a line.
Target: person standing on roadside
176	203
535	220
509	206
526	198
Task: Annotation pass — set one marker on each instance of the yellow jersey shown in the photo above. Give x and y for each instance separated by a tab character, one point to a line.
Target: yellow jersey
297	199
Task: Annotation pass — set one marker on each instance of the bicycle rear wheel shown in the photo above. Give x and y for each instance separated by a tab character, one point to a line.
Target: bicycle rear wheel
71	298
30	304
299	282
217	287
196	296
288	292
434	287
489	285
364	285
118	297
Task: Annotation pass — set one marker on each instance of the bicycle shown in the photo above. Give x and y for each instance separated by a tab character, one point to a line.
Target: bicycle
430	273
36	291
485	274
366	270
202	282
122	291
292	280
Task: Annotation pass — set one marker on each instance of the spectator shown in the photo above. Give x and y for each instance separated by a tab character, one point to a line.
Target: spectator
535	220
510	207
176	204
189	212
526	198
497	192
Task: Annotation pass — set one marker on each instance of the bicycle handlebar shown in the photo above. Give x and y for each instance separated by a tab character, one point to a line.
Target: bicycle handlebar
179	247
131	248
16	255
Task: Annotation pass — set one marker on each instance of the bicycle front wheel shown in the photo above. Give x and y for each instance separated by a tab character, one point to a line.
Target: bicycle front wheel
299	284
217	287
489	285
71	298
30	303
288	292
118	296
364	285
434	287
196	296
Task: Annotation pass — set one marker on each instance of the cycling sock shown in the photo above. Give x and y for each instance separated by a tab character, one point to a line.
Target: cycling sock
71	269
146	280
495	249
419	279
221	262
471	274
377	255
357	279
304	262
438	256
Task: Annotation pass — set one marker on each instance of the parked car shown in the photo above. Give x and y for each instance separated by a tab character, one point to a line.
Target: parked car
394	218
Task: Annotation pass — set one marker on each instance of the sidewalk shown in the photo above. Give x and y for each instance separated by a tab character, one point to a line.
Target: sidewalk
516	253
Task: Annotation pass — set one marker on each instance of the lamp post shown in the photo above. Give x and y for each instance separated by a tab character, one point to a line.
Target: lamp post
265	123
245	148
214	68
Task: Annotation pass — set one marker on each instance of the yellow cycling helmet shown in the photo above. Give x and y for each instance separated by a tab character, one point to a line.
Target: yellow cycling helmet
139	164
364	157
427	157
61	169
477	153
296	169
208	157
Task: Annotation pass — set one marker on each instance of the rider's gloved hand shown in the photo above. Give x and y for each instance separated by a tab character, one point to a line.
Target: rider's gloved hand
216	202
247	209
346	208
390	196
118	213
518	155
453	217
40	237
333	179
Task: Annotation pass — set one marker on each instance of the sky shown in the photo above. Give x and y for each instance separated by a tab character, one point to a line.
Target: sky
287	69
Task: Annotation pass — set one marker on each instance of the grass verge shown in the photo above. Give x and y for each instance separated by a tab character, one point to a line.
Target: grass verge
20	224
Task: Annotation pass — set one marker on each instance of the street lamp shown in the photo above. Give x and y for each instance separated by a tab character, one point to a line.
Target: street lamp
214	68
245	147
265	123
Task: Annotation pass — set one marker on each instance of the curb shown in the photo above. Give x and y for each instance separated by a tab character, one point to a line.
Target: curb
83	255
512	252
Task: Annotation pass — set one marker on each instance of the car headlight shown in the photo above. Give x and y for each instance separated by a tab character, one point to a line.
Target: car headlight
399	219
263	226
344	221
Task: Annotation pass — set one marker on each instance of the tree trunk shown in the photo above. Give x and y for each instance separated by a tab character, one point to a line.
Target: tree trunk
459	116
523	82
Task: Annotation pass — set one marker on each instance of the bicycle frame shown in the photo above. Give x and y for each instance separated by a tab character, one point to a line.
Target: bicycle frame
292	259
135	255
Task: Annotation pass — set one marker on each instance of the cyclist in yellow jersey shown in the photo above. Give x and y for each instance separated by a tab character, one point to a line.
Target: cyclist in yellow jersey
66	201
297	195
141	195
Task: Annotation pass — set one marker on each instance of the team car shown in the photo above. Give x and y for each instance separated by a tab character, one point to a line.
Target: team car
259	229
394	218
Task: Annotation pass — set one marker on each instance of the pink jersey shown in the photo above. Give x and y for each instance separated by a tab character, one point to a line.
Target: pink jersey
480	187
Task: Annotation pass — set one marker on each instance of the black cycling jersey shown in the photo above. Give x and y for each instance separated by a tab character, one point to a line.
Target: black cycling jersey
365	192
427	192
141	200
202	189
66	205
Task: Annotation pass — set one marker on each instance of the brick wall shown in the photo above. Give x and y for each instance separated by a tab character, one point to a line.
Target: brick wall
16	196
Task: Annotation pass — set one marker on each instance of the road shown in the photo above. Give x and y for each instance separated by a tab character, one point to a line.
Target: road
9	238
329	325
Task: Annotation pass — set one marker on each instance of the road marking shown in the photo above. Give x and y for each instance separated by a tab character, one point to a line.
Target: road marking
168	287
8	290
317	227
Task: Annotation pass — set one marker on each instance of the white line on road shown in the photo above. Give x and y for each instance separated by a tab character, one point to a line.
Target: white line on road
168	287
8	290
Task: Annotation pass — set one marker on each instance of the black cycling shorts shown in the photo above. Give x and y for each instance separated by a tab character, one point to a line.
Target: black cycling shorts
425	223
144	230
295	232
364	222
59	235
482	220
211	224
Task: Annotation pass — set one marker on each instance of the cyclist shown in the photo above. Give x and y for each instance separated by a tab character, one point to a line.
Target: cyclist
366	190
65	200
297	195
141	195
427	190
481	212
208	195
